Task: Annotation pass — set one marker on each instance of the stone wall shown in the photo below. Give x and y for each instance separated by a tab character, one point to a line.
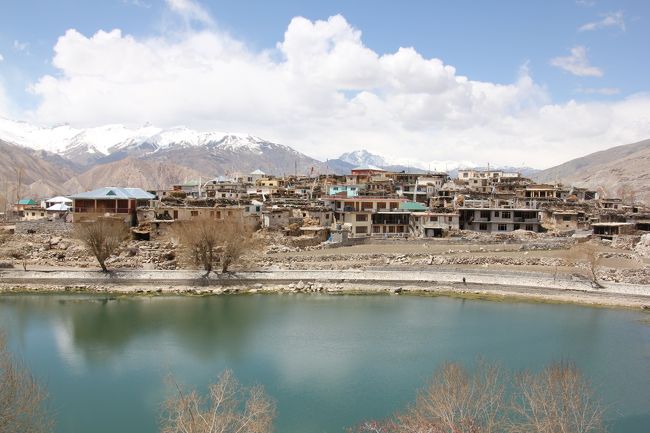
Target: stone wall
57	227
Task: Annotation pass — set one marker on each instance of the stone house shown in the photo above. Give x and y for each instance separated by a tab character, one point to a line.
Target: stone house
110	201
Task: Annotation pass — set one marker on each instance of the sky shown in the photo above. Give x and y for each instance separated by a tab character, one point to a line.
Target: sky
521	83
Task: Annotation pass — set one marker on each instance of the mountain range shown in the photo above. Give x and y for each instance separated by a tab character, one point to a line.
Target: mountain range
612	171
64	160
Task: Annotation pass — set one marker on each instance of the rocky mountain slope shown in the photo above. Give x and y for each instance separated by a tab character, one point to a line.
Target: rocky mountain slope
37	171
614	171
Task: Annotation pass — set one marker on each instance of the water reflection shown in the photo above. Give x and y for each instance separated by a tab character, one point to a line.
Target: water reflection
100	327
329	361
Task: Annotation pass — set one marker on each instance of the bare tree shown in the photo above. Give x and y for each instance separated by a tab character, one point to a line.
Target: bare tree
207	242
229	407
199	240
558	399
102	237
587	255
454	401
627	193
236	240
22	399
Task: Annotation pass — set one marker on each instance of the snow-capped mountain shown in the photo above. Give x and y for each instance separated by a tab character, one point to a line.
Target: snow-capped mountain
363	158
108	153
110	143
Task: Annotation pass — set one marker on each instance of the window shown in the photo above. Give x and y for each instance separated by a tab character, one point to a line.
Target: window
496	214
502	227
194	213
505	215
485	214
482	226
361	229
566	217
449	219
516	227
530	227
361	217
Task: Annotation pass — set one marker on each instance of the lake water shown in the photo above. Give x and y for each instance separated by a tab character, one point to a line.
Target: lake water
328	361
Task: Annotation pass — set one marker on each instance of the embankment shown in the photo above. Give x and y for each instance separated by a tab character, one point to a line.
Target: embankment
476	284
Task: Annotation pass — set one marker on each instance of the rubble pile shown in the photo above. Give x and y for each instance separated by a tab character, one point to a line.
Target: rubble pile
632	276
642	248
623	242
373	260
39	249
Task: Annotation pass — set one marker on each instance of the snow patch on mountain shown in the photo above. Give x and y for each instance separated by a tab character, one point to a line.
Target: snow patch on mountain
363	158
105	140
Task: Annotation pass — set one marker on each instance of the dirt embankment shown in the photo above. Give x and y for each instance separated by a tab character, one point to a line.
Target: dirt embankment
532	266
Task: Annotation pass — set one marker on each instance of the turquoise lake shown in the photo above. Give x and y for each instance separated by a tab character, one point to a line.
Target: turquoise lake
328	361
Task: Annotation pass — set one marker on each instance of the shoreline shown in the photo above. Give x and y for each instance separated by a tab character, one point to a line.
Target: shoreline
480	284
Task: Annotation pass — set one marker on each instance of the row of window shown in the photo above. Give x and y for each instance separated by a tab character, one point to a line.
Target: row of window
504	227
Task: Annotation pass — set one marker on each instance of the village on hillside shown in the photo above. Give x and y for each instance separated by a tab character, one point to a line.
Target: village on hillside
367	219
367	203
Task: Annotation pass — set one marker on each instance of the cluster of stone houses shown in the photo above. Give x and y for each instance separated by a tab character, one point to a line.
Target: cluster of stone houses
368	202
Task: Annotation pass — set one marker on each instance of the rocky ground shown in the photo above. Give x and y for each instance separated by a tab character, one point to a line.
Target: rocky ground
627	260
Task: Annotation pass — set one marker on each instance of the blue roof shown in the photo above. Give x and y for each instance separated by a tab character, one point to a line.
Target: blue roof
26	201
113	193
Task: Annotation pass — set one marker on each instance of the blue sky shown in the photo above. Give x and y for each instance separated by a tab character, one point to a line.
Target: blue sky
583	52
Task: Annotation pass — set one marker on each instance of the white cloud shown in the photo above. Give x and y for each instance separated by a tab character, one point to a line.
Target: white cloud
611	19
1	57
322	91
190	10
577	63
138	3
21	46
599	90
4	101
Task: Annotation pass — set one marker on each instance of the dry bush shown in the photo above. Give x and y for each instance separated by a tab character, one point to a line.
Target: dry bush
102	237
587	254
459	402
208	242
21	397
228	408
558	399
454	401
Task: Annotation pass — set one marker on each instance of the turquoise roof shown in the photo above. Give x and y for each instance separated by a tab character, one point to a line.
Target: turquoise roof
411	205
27	201
112	193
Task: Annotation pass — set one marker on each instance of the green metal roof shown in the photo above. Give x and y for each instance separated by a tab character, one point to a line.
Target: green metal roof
27	201
115	193
412	205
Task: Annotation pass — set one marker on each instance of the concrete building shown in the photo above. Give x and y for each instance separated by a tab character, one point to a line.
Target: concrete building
498	219
610	230
433	224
